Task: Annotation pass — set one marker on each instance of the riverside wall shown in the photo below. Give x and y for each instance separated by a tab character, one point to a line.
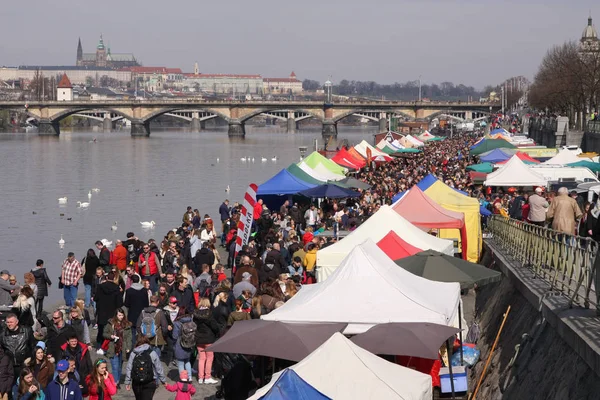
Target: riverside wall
558	347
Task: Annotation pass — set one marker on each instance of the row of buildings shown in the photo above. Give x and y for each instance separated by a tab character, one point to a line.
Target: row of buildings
120	70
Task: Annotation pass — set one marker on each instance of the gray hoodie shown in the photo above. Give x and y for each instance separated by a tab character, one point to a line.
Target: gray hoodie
5	289
157	366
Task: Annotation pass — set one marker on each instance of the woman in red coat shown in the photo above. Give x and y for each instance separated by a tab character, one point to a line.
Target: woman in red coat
100	383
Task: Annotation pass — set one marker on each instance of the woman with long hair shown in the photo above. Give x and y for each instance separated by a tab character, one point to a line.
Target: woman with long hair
78	322
118	334
41	366
29	280
258	308
206	334
144	390
27	388
89	264
290	289
100	383
24	307
221	309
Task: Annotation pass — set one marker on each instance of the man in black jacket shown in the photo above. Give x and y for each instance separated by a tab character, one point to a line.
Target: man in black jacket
203	256
103	256
42	281
79	352
136	299
184	295
58	332
132	245
18	341
108	298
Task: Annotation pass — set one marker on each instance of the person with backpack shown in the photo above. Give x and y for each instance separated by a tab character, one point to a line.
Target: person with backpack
206	334
184	334
151	323
184	388
117	338
203	283
143	370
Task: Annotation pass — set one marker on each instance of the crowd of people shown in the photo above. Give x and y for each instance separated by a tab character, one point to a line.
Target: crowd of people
163	303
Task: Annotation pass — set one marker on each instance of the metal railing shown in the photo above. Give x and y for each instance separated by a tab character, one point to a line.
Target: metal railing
593	126
566	262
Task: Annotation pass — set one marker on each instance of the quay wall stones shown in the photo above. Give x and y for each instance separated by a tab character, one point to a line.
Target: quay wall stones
547	366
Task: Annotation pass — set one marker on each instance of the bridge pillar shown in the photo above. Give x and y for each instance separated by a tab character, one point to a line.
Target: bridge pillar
291	122
468	115
107	125
329	129
202	125
48	128
383	123
140	129
237	129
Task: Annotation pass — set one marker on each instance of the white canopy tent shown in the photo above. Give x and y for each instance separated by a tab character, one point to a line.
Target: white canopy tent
397	144
564	156
320	173
411	298
416	142
376	154
515	173
376	227
341	370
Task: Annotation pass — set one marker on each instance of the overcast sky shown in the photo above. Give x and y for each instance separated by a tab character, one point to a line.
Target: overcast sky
475	42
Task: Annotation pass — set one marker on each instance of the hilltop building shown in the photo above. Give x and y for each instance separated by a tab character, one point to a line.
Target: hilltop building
103	57
290	85
589	42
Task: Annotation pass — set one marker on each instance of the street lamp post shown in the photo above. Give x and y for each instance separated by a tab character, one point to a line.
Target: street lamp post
328	85
419	88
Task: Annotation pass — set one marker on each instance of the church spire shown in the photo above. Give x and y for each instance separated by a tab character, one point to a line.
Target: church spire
79	51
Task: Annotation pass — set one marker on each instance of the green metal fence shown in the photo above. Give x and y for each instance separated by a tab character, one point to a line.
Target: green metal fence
566	262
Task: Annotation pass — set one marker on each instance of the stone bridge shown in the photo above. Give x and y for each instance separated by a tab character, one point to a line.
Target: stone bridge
236	113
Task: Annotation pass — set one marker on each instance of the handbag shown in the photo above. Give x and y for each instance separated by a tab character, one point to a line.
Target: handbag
60	283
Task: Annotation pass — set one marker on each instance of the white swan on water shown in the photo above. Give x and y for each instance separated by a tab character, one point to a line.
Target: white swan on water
62	200
274	159
95	190
147	224
61	241
243	159
263	159
227	189
83	205
90	195
114	227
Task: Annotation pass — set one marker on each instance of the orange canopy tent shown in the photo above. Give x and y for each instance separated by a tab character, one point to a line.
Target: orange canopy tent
420	210
526	158
356	155
345	159
395	247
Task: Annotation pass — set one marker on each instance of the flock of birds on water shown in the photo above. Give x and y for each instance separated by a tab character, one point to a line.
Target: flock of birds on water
252	159
62	201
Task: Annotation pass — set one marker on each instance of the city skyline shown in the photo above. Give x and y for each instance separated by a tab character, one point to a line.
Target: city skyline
471	42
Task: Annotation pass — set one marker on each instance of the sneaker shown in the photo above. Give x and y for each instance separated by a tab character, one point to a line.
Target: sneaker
200	381
100	352
210	381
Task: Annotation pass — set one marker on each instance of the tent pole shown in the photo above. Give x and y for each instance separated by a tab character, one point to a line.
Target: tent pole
450	368
460	335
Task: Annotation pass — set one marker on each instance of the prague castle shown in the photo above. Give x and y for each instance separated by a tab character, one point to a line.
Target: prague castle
103	58
589	42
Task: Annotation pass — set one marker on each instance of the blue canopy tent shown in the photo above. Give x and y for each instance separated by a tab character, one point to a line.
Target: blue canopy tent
495	156
283	183
290	386
329	191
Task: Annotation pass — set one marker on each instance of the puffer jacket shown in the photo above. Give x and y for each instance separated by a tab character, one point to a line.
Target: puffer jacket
208	329
181	353
42	281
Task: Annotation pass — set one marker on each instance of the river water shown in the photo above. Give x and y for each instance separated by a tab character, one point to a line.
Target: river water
142	179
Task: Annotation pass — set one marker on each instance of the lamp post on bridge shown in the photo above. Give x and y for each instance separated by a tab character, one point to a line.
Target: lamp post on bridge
419	88
328	85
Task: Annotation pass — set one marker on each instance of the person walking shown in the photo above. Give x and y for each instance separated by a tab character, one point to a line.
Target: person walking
63	388
206	334
41	365
26	387
143	370
70	273
184	334
153	324
18	341
120	256
7	372
79	352
89	264
108	299
100	383
136	299
184	388
42	281
6	288
537	208
118	333
103	256
564	212
149	267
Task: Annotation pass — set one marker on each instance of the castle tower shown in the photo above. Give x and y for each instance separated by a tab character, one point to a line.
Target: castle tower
196	70
101	53
79	54
589	38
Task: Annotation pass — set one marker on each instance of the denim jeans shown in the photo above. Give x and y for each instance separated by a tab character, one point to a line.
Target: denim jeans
70	292
88	297
116	365
185	365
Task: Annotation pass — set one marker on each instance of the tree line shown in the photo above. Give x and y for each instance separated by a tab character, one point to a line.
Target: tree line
567	83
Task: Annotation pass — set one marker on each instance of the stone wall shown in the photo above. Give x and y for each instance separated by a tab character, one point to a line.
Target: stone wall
546	367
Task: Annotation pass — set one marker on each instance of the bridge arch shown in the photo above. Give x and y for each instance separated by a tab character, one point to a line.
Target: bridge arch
259	111
366	112
169	110
448	113
66	113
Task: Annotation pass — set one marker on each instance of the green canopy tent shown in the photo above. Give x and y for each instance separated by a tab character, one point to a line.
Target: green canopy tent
435	266
482	167
314	159
300	174
412	150
437	139
593	166
491	144
353	183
